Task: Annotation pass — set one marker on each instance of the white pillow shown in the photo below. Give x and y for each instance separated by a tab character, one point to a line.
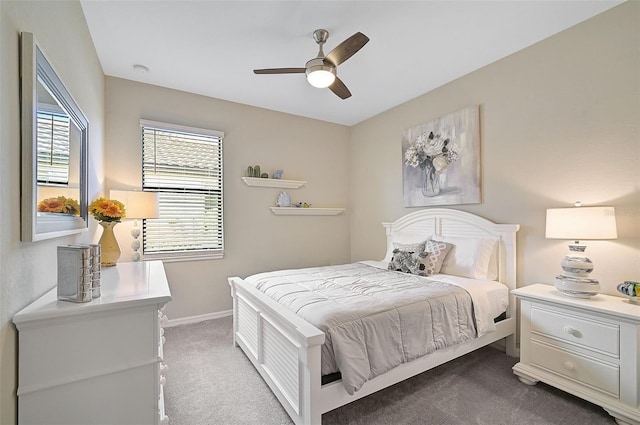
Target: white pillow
492	272
470	257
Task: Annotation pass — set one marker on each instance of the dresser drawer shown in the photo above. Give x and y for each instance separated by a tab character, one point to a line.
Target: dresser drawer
578	330
602	376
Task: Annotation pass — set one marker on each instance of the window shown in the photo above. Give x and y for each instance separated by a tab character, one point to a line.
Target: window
53	148
184	165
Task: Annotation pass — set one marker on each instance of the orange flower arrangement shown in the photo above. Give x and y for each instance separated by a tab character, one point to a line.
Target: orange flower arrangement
60	205
103	209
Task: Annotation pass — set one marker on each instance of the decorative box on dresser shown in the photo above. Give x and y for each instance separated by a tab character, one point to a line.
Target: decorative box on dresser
586	347
98	362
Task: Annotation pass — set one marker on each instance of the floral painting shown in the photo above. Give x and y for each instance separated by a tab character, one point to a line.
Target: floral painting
441	160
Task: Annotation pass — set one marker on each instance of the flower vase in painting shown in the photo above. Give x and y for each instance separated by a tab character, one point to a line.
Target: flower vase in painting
432	153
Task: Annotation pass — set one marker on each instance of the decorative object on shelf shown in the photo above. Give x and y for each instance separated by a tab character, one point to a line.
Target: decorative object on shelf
255	172
631	290
441	160
140	205
283	200
59	205
278	174
579	223
108	212
74	273
264	176
302	205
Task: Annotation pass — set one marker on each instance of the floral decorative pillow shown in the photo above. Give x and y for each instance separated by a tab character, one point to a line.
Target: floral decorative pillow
409	262
437	254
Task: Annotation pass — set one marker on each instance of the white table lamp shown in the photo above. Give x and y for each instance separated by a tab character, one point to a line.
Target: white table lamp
579	223
138	205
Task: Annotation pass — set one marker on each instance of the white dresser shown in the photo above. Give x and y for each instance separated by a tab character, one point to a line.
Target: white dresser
98	362
587	347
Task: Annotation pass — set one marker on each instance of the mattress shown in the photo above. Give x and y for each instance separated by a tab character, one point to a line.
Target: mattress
375	319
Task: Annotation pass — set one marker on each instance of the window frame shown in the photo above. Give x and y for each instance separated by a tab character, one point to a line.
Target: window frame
204	254
54	114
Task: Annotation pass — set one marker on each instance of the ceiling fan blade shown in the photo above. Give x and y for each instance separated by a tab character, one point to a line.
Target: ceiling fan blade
347	48
340	89
280	71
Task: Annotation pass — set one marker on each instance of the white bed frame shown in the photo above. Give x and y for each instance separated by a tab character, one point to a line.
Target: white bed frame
285	349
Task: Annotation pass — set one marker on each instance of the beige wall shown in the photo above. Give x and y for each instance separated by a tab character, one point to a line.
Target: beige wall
255	239
27	270
559	123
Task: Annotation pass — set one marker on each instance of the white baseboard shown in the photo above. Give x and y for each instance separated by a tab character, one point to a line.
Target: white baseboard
197	319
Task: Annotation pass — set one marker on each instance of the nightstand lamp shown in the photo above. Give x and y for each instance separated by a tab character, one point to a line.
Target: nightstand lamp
138	205
579	223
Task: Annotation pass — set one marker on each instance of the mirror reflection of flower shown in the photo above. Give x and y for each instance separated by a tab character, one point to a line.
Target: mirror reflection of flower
59	205
103	209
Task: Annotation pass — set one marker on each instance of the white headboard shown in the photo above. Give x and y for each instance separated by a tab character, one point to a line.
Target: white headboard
419	225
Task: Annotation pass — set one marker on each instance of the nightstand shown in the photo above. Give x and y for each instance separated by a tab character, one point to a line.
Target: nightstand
586	347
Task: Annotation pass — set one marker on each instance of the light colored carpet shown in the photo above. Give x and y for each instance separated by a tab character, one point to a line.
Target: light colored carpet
210	382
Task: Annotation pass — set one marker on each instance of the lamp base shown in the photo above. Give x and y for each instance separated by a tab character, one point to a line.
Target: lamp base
574	282
135	245
577	287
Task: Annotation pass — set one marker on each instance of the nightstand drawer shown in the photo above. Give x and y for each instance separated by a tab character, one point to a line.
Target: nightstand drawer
599	336
598	375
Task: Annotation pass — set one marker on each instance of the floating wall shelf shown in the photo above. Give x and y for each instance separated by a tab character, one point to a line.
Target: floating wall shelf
306	211
282	184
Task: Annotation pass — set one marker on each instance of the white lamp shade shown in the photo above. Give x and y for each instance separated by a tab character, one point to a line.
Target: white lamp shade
581	223
136	203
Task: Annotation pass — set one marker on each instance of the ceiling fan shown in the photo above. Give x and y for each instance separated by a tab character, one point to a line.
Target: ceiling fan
321	70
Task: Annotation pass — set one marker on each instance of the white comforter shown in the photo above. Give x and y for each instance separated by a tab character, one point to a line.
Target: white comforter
376	319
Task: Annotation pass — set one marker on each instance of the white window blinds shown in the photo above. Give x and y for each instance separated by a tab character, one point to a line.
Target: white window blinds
53	148
184	165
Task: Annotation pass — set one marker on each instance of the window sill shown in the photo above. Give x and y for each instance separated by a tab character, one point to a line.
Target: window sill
178	257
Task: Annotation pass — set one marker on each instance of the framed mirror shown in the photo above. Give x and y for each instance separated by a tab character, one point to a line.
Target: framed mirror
54	151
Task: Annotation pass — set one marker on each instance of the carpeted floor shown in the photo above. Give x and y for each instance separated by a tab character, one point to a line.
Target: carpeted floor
210	382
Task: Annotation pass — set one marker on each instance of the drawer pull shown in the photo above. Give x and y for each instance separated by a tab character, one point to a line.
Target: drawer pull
568	365
570	330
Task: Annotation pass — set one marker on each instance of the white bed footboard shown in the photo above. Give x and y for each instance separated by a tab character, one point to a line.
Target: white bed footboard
283	347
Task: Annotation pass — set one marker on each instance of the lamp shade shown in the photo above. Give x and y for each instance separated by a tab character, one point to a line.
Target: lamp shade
320	74
581	223
137	204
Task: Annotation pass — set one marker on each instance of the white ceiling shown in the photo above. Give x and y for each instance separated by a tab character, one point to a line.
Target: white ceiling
211	47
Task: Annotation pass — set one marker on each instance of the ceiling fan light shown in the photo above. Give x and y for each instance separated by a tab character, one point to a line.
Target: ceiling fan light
321	76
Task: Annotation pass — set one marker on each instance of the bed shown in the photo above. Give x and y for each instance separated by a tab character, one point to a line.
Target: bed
290	352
